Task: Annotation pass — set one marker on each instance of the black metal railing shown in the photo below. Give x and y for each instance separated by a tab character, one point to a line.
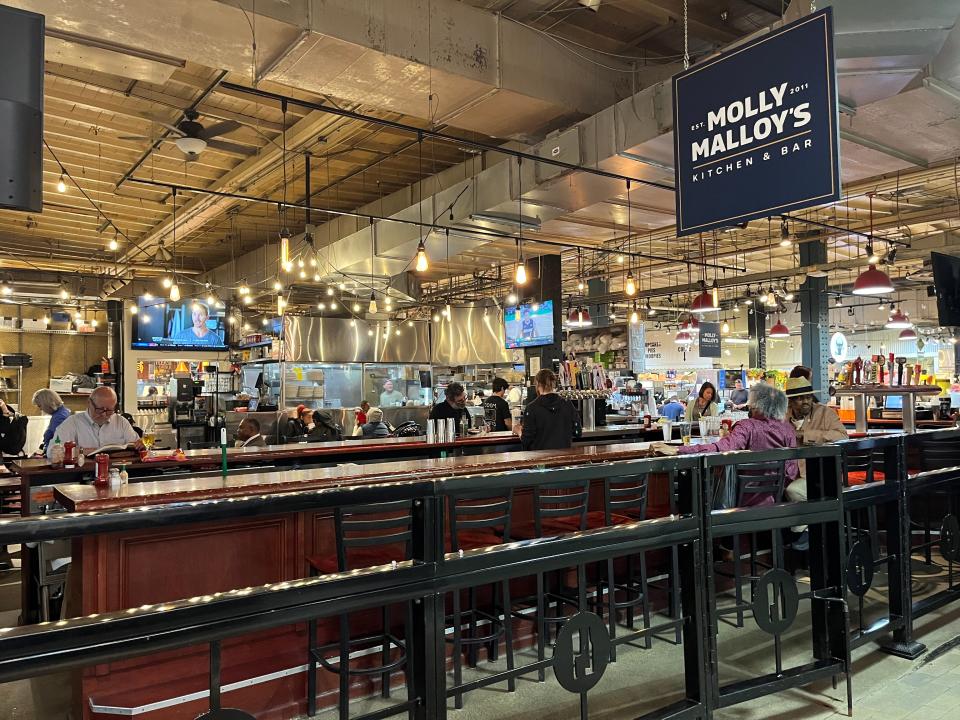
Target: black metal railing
688	538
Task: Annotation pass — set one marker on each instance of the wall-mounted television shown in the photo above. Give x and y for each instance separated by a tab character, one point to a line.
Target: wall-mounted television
189	324
946	280
529	325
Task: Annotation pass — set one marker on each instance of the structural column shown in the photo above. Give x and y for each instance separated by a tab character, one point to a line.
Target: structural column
544	283
757	328
815	317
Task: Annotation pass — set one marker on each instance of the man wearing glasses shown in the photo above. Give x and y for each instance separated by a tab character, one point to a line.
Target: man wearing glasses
100	425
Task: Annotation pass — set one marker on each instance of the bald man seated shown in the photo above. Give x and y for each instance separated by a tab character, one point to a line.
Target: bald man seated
98	426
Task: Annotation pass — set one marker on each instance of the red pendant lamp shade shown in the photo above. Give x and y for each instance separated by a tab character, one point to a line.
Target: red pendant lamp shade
779	330
898	320
908	334
872	282
683	338
703	303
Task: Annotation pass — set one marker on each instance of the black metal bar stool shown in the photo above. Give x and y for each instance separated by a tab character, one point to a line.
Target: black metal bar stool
625	500
366	535
558	508
479	520
754	480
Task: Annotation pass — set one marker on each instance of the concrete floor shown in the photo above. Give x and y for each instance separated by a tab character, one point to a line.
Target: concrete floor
643	680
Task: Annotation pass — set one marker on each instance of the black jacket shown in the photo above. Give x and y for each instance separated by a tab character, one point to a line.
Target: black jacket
549	423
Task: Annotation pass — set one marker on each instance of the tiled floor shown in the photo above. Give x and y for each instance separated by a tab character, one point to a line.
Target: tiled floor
884	687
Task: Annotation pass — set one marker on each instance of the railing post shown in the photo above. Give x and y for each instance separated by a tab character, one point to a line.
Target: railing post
827	556
899	544
426	651
696	579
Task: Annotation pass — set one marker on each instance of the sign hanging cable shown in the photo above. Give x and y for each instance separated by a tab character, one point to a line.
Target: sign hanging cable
686	39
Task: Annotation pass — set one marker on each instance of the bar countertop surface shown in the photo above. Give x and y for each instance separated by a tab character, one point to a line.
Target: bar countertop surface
241	455
77	497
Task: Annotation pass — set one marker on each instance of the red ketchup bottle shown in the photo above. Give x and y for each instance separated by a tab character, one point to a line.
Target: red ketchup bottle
102	478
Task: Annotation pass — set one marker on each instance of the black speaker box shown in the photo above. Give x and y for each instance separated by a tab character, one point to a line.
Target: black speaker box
21	109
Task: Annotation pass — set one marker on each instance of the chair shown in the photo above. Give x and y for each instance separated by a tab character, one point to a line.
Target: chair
479	520
755	482
625	500
859	468
936	454
366	535
558	508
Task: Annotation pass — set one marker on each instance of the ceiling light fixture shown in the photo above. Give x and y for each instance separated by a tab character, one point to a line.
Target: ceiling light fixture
898	320
872	282
423	262
683	338
630	287
908	334
779	330
372	308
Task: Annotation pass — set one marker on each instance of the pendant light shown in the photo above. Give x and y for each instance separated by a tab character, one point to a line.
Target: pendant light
630	284
372	308
786	240
691	326
630	287
715	294
725	328
285	249
280	303
634	316
174	288
512	298
779	331
62	182
703	303
520	278
423	262
683	338
907	334
872	281
898	320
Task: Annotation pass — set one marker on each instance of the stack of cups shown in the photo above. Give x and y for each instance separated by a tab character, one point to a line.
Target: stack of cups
667	431
451	433
431	432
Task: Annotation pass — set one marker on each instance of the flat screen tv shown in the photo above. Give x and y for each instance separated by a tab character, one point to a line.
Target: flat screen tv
946	280
529	325
190	324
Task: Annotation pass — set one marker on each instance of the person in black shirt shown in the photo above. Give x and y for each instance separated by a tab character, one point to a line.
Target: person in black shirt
549	422
453	406
496	409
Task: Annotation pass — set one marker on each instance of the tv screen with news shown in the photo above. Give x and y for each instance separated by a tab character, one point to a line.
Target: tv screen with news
529	325
189	324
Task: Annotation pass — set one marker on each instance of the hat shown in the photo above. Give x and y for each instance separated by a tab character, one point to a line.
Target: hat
300	408
798	387
374	414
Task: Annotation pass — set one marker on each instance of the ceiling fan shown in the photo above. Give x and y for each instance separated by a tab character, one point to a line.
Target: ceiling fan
193	138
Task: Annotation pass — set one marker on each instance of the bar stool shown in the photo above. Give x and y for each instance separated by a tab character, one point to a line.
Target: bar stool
479	520
755	482
366	535
859	468
558	508
624	501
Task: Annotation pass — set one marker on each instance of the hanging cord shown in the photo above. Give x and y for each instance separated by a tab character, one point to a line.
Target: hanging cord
686	38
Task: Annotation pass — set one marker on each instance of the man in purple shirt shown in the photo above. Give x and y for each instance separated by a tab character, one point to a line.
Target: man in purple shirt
765	429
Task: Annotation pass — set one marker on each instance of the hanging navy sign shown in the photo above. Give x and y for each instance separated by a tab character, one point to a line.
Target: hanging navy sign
709	339
755	129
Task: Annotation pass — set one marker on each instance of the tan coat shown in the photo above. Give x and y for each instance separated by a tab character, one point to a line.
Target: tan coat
822	426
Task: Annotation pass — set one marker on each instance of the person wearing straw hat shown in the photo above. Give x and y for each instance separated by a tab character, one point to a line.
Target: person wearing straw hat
815	424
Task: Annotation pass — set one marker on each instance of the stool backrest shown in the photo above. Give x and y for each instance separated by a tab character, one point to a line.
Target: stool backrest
938	453
480	511
760	478
371	526
625	496
865	461
559	501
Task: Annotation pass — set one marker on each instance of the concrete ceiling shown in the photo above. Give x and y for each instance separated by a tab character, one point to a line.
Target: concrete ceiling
530	73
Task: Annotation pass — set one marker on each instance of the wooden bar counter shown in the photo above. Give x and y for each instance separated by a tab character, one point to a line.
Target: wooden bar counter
115	571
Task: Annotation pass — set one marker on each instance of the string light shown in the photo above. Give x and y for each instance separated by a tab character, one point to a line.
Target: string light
134	309
166	282
521	275
174	291
512	299
62	183
373	304
329	292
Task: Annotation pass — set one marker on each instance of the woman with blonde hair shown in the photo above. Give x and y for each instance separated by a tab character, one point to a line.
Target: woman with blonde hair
50	404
